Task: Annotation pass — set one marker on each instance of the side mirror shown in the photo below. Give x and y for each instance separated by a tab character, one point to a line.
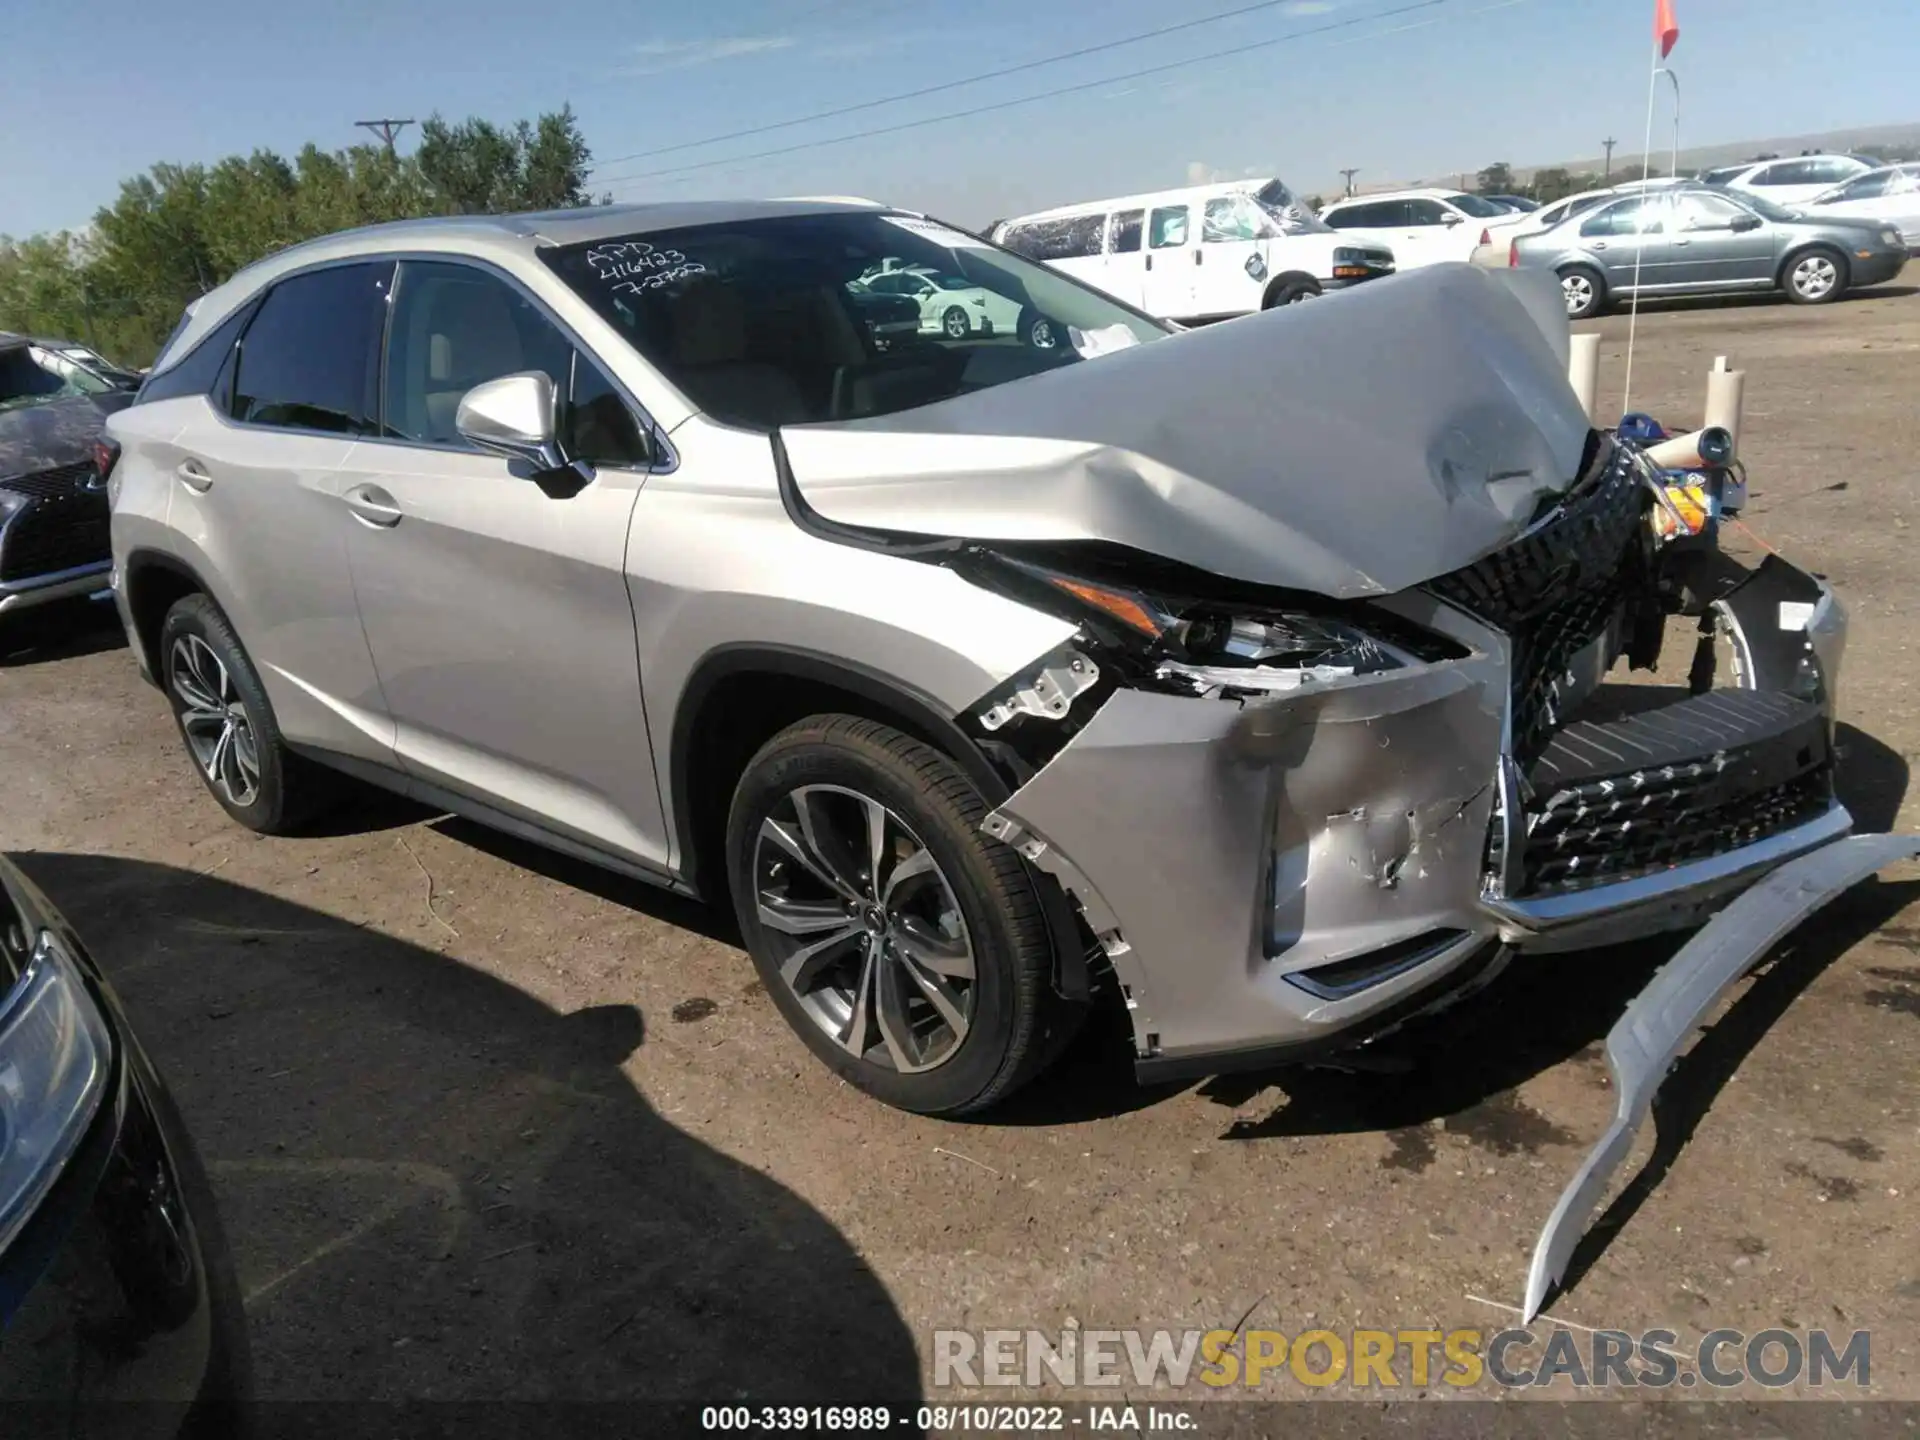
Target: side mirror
1745	223
1450	220
513	416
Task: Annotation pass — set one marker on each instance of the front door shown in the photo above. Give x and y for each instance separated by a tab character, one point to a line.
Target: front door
1168	285
1716	242
1232	229
496	607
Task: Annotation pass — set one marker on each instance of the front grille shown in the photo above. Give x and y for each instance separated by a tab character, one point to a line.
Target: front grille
1611	801
61	480
1556	589
59	533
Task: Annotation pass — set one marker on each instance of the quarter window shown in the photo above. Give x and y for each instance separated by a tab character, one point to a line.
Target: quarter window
310	359
198	370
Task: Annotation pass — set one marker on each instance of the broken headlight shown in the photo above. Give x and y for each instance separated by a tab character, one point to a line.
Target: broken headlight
1214	647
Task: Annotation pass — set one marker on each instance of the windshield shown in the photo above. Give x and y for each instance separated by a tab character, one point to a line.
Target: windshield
762	322
1473	205
1288	213
25	381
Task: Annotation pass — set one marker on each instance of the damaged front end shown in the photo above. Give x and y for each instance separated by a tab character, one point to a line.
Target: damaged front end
1291	823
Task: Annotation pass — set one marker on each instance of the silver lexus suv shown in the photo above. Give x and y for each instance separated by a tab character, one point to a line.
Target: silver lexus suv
1250	675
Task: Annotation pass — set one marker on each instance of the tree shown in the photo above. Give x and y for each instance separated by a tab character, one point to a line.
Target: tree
1496	179
177	231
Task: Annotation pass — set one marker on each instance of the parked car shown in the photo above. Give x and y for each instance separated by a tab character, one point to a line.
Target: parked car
1795	179
1889	195
65	356
1206	252
984	678
1699	240
1422	227
115	1283
1515	204
54	541
950	305
1496	250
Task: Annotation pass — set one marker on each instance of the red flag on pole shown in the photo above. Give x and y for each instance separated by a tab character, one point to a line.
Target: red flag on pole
1666	29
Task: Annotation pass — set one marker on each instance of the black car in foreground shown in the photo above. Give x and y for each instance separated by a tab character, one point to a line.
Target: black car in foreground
54	540
119	1312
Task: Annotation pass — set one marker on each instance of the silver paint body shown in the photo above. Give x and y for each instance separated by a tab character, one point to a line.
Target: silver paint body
531	655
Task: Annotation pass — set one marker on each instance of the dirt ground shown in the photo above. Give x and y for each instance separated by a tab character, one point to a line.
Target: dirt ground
485	1123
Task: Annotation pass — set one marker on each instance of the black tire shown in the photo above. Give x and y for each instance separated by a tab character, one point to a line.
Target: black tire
1585	291
1291	292
956	324
1016	1023
288	790
1038	331
1817	275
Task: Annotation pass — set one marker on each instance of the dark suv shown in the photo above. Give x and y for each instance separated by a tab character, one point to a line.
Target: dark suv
54	542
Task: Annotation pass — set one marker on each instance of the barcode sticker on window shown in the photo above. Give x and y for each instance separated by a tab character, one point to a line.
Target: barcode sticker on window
933	230
1795	614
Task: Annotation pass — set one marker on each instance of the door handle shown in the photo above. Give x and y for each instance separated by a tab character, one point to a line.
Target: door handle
194	476
1683	242
1599	244
373	505
1198	256
1149	262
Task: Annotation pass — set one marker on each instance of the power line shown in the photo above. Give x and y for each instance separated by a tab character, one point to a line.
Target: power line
946	85
1052	94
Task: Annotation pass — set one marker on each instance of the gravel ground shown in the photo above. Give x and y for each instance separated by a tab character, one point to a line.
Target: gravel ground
487	1124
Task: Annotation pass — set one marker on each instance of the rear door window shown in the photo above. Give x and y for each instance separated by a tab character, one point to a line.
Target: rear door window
311	358
1425	212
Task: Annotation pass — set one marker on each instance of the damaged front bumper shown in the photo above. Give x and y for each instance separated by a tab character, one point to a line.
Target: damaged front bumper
1277	877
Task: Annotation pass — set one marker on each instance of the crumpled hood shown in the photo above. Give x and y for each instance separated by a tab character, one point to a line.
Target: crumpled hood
41	437
1359	444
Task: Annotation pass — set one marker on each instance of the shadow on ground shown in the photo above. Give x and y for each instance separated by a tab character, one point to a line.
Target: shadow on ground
437	1187
63	631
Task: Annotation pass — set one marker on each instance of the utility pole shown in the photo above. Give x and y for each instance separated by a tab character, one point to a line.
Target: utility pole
1609	143
1348	175
385	129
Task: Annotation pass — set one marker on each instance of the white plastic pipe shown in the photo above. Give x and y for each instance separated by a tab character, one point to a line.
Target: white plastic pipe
1726	399
1676	452
1583	371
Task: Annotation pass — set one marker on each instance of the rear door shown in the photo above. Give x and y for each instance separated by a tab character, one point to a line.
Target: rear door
1627	240
1167	290
257	472
496	605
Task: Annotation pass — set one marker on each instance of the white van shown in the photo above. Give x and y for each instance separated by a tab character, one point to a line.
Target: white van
1203	253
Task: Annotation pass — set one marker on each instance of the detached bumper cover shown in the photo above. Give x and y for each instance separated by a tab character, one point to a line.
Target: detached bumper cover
1647	1038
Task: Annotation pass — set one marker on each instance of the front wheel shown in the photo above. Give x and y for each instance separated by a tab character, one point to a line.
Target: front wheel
907	949
956	324
1291	293
1816	276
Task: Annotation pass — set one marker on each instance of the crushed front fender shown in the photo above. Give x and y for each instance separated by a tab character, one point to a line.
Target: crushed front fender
1647	1038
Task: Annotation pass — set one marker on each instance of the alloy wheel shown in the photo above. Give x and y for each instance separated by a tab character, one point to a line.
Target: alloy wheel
956	324
1815	276
214	719
1040	334
1578	290
867	932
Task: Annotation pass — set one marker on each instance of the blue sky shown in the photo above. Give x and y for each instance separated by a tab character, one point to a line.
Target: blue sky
99	91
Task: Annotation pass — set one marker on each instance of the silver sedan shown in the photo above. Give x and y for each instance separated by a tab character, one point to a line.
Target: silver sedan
1696	240
1889	195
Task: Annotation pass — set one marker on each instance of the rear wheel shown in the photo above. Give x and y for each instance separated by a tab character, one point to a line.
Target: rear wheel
907	949
1585	291
1815	276
955	323
228	726
1037	330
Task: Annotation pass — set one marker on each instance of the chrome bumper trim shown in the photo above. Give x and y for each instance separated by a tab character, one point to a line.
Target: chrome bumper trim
59	585
1522	919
